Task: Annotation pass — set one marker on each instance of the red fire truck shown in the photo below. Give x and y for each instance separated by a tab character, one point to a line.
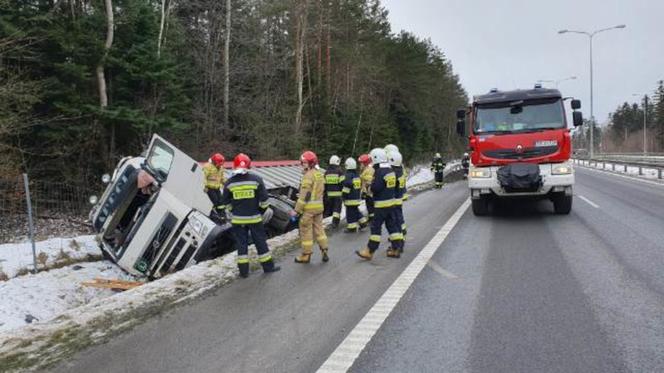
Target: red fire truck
521	147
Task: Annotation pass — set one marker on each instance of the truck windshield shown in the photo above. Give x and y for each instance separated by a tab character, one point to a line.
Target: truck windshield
159	160
526	116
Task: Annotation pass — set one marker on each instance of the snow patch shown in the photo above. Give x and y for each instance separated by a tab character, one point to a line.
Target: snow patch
16	258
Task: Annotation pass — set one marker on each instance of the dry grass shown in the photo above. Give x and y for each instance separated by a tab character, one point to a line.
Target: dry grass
3	275
42	259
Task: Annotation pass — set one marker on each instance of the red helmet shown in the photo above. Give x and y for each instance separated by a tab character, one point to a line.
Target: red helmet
309	158
242	161
218	159
365	159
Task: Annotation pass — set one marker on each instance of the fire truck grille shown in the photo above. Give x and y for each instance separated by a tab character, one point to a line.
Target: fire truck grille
525	154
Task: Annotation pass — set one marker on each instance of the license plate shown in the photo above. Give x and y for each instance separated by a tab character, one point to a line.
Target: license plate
546	143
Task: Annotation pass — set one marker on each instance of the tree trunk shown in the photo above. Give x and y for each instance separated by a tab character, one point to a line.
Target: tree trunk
299	63
101	79
227	77
161	27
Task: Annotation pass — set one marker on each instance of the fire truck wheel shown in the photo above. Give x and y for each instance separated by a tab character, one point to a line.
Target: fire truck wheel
481	206
562	204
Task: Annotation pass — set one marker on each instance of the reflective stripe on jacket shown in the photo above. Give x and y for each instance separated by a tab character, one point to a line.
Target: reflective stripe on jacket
214	177
245	197
310	198
384	186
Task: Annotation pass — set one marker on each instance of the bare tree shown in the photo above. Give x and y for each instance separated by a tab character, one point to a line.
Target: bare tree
300	42
101	79
227	77
161	27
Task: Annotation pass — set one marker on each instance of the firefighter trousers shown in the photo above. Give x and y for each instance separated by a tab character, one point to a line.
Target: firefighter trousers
241	234
333	208
215	197
398	210
353	216
439	179
388	217
369	201
311	228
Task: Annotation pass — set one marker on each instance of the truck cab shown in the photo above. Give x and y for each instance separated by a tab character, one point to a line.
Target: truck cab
521	147
154	217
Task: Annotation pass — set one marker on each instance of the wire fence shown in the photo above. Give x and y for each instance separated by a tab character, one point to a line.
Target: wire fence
58	208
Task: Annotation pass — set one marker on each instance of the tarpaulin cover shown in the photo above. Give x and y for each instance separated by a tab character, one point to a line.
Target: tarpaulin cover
520	177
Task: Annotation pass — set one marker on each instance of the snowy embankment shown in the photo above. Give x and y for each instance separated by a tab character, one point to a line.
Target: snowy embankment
64	317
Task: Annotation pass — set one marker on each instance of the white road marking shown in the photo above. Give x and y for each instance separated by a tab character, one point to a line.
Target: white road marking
433	265
591	203
607	172
350	348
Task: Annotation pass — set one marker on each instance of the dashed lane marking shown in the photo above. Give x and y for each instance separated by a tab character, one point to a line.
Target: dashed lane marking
591	203
350	348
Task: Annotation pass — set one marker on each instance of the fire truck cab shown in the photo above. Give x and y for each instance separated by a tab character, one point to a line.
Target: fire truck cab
521	147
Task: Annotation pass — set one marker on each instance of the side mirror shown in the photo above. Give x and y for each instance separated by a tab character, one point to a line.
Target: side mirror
461	122
576	104
461	128
577	117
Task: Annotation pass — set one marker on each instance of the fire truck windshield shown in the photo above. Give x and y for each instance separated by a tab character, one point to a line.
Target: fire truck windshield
519	117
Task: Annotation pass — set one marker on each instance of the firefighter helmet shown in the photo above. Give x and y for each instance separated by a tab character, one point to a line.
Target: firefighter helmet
350	164
335	160
217	159
391	148
396	159
309	158
365	159
242	162
437	155
379	155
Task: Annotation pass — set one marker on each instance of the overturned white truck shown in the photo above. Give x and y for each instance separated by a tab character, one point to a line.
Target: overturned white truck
154	216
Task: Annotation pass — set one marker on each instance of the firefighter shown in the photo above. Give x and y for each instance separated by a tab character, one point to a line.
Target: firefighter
245	197
352	196
396	160
215	177
465	163
366	176
383	187
334	178
438	166
309	208
390	148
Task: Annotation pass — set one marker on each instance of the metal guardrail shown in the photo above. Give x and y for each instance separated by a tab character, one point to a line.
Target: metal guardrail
625	165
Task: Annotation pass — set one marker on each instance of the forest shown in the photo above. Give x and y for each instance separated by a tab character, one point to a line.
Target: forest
85	82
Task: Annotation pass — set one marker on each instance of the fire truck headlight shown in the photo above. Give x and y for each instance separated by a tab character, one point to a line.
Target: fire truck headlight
480	173
561	169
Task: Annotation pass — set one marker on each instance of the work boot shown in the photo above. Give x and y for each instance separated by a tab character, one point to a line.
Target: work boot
325	257
304	258
350	230
365	254
272	269
393	253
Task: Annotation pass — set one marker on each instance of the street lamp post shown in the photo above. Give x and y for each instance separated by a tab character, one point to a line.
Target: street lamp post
590	36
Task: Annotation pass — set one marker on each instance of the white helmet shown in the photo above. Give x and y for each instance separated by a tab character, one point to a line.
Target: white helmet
379	155
391	148
334	160
437	155
465	154
396	159
350	164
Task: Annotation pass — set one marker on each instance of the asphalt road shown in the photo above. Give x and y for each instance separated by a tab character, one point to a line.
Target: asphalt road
523	290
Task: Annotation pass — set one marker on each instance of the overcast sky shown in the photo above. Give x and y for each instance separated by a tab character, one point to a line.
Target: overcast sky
513	43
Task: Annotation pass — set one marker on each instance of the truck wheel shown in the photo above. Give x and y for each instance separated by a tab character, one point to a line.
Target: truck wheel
480	206
562	204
